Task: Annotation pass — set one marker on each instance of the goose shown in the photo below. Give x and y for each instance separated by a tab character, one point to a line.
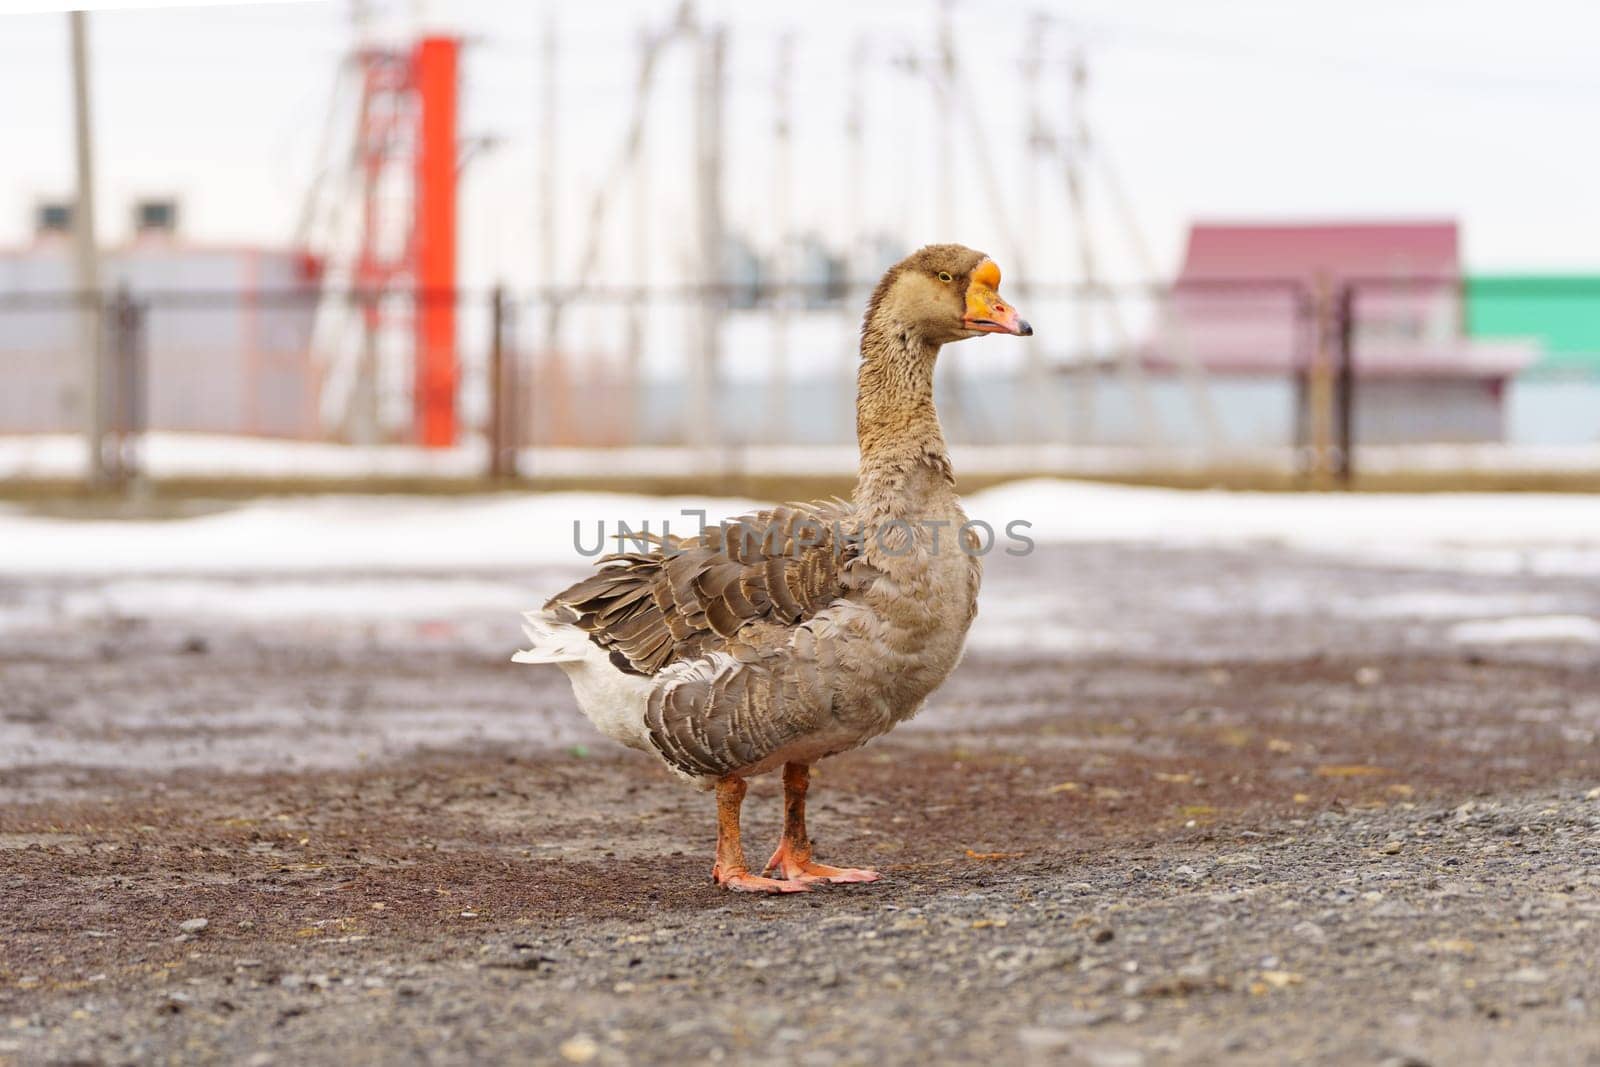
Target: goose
782	637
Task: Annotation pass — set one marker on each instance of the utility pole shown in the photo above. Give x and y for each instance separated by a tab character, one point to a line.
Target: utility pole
575	282
782	275
1167	324
549	268
633	365
548	106
706	352
944	79
1088	375
1132	376
1032	400
854	176
87	256
944	95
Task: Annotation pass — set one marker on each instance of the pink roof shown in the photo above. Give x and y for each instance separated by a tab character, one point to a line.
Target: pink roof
1263	328
1339	250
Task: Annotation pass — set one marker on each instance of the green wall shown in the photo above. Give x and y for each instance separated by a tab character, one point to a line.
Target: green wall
1561	311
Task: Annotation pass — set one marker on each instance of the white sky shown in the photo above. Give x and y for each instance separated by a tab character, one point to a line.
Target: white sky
1245	109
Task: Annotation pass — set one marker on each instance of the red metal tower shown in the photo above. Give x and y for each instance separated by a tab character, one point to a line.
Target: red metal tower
408	151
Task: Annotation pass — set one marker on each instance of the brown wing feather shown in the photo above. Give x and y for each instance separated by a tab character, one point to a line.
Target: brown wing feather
651	609
722	714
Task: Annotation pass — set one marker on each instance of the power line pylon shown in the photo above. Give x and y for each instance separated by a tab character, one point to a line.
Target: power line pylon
397	249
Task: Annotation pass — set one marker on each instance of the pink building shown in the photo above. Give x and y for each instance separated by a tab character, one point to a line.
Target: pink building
227	335
1243	305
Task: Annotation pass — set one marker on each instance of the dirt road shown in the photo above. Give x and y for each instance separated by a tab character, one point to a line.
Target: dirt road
1180	806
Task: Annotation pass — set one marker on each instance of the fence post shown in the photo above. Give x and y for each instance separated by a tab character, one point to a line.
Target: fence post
138	371
1315	409
96	337
124	389
1345	391
502	392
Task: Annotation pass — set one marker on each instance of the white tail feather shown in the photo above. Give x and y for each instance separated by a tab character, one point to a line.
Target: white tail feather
551	641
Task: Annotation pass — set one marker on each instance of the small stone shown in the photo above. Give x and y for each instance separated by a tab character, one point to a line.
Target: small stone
1043	1038
1529	976
1390	848
193	926
1101	934
1281	979
580	1049
1368	676
1115	1056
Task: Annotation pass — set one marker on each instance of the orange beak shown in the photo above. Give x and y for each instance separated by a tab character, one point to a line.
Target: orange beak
986	312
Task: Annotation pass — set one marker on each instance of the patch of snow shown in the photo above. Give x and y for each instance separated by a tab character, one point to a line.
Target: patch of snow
352	533
1490	533
290	600
1580	629
997	634
1021	624
1299	597
1500	533
1441	604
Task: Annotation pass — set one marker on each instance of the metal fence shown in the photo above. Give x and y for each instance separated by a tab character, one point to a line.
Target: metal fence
1303	372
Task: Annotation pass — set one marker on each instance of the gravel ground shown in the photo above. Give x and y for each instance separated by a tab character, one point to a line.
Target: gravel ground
1178	806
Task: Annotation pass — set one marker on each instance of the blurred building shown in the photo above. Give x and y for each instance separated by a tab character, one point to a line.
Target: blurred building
1558	313
744	272
1246	304
226	330
820	271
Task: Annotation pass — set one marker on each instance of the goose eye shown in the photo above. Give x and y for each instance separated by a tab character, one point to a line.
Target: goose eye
944	276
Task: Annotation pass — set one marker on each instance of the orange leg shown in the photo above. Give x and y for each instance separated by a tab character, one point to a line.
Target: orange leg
731	869
792	861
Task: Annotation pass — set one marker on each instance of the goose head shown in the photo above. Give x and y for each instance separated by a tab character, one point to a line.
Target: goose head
940	294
